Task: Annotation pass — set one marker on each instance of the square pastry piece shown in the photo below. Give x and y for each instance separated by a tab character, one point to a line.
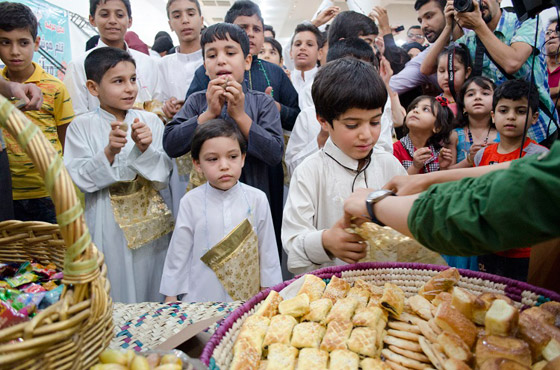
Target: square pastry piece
313	286
362	341
281	357
337	333
312	359
308	335
280	330
336	289
342	359
318	310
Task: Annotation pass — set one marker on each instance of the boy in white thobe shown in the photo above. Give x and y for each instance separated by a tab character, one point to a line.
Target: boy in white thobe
100	151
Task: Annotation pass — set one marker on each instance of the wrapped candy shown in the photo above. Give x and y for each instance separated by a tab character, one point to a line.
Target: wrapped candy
9	316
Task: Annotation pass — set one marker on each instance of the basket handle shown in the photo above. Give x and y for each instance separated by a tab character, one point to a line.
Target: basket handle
81	260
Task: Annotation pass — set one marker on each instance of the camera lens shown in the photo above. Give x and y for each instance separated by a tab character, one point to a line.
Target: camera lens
463	5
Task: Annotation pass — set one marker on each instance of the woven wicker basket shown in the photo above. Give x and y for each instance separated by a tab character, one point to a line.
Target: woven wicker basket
71	333
409	276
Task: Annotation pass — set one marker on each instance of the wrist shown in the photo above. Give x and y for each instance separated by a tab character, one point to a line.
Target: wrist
109	154
205	116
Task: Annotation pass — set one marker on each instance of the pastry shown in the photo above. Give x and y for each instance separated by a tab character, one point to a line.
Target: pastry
421	306
454	347
312	359
342	359
313	286
492	347
269	307
308	335
296	307
449	318
373	364
393	299
441	282
336	289
342	310
253	329
501	319
281	357
363	341
463	300
368	317
280	330
337	333
318	310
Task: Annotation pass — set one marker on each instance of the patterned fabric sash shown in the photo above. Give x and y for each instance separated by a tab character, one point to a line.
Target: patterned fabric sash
140	211
235	260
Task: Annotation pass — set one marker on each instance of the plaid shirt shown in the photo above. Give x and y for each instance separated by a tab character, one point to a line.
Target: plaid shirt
431	165
510	30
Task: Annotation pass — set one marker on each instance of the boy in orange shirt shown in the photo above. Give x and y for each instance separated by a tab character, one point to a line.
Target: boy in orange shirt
512	99
18	42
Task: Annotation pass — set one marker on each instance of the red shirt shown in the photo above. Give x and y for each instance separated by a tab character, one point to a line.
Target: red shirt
488	156
554	77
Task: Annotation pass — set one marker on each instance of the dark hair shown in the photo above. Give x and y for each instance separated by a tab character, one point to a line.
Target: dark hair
100	60
268	27
517	90
351	47
485	83
461	52
552	20
303	27
245	8
420	3
351	24
217	127
344	84
275	44
162	44
16	15
224	31
170	2
444	120
93	4
413	45
415	27
92	42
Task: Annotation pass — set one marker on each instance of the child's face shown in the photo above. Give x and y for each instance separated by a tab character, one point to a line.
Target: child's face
221	162
225	57
16	49
355	131
270	54
117	90
509	117
185	20
478	100
461	74
305	51
112	20
421	117
254	29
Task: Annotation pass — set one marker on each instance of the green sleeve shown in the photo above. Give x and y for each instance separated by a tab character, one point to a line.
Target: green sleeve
504	209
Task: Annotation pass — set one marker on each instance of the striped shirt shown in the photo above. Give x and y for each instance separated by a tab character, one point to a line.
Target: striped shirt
56	111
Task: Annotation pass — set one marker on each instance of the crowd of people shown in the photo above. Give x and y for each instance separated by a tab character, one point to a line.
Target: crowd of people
279	135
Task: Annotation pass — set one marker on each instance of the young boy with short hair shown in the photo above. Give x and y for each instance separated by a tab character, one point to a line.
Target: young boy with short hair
18	42
511	100
349	96
306	50
176	70
112	18
114	153
212	212
225	48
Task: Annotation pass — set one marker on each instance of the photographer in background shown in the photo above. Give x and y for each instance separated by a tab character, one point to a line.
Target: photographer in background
504	47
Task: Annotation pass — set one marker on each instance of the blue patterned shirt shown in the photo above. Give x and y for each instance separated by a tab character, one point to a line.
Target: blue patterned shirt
510	30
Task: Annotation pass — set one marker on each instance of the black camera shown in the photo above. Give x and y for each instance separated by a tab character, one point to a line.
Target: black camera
463	6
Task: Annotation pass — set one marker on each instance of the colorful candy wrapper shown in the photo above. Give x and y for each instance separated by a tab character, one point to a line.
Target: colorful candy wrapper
9	317
50	285
25	267
4	285
23	279
34	288
26	300
51	297
57	276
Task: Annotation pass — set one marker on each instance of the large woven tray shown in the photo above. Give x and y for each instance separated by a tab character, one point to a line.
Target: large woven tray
409	276
71	333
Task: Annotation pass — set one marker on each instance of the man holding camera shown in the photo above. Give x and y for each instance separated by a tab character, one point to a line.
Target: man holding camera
502	48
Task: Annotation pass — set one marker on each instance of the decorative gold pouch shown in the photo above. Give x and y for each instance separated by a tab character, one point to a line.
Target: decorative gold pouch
388	245
235	260
195	179
140	211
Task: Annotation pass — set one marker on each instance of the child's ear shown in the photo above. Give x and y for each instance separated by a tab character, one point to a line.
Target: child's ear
92	21
129	22
324	124
243	155
37	42
468	73
320	54
248	61
535	117
492	116
196	164
92	87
